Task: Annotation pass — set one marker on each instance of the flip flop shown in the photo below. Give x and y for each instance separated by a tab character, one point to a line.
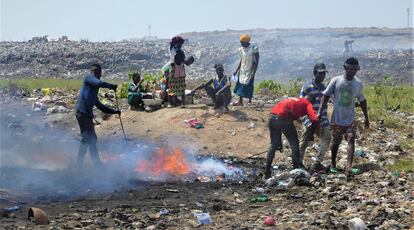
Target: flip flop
333	170
355	171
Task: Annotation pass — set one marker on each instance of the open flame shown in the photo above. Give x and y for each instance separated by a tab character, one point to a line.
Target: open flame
164	162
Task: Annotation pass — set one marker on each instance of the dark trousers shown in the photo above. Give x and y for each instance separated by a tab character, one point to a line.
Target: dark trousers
223	99
88	139
277	126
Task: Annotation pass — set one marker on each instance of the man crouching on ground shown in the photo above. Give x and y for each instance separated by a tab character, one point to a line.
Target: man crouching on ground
88	97
281	121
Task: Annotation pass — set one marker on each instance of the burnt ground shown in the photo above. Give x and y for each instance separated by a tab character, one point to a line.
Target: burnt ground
382	198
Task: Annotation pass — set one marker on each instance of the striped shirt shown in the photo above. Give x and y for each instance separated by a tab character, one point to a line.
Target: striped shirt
314	90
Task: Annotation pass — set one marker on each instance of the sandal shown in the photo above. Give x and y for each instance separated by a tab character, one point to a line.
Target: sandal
353	172
333	170
237	104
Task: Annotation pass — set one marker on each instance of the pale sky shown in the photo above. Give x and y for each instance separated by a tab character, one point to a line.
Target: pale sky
112	20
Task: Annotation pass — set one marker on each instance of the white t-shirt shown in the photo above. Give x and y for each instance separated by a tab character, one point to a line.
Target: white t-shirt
345	92
247	58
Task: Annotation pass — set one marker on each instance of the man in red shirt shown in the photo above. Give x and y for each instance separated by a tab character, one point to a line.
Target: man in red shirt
281	121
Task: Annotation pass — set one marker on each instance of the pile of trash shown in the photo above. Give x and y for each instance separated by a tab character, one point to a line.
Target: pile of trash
283	54
50	100
285	180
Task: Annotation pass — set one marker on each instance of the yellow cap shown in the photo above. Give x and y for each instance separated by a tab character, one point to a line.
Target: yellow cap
245	38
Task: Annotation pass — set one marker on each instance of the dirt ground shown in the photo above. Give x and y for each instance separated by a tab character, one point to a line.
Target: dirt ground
239	133
377	196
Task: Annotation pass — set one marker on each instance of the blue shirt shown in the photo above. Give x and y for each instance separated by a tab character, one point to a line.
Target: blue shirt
88	96
315	90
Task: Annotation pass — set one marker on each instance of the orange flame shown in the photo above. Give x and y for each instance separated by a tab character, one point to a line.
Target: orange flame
162	162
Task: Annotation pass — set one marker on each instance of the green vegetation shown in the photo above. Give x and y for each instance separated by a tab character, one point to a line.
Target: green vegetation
151	79
403	165
36	83
389	95
270	86
294	87
386	97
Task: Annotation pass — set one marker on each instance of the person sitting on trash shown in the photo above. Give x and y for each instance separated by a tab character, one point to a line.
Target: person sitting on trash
281	121
88	97
220	93
137	92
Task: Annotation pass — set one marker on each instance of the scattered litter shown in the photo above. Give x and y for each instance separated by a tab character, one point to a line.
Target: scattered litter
269	221
12	209
57	109
252	125
164	211
286	180
38	106
259	190
38	216
203	179
317	147
173	190
356	224
259	199
203	218
360	153
194	123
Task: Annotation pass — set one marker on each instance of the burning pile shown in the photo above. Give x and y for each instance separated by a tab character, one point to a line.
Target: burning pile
174	164
162	162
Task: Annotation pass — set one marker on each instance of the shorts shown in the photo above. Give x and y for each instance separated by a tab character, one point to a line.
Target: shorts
339	131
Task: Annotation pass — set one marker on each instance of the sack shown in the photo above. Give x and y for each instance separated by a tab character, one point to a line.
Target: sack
235	77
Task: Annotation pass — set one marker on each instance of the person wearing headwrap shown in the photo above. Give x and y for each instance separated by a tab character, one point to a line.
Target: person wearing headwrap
175	44
174	72
246	70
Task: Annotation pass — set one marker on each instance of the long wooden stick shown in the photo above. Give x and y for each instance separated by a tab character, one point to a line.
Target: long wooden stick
120	119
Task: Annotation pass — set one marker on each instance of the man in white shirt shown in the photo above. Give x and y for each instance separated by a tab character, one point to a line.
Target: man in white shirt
346	89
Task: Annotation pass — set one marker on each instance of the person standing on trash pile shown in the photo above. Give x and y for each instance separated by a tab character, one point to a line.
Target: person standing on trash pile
246	70
176	80
136	92
281	121
346	88
171	86
220	93
88	97
313	90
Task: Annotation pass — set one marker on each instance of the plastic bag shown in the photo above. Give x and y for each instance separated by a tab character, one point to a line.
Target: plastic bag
235	77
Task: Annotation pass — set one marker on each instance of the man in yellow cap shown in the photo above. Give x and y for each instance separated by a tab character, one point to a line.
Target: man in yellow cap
246	70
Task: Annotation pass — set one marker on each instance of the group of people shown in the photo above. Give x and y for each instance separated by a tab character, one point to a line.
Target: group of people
310	107
218	88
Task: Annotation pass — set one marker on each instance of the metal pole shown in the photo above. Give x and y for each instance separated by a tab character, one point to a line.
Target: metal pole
120	119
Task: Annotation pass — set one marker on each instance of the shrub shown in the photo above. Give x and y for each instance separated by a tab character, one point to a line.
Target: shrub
295	85
390	94
272	87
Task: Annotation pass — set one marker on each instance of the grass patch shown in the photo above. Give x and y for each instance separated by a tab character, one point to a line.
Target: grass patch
407	144
403	165
390	98
35	83
39	83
